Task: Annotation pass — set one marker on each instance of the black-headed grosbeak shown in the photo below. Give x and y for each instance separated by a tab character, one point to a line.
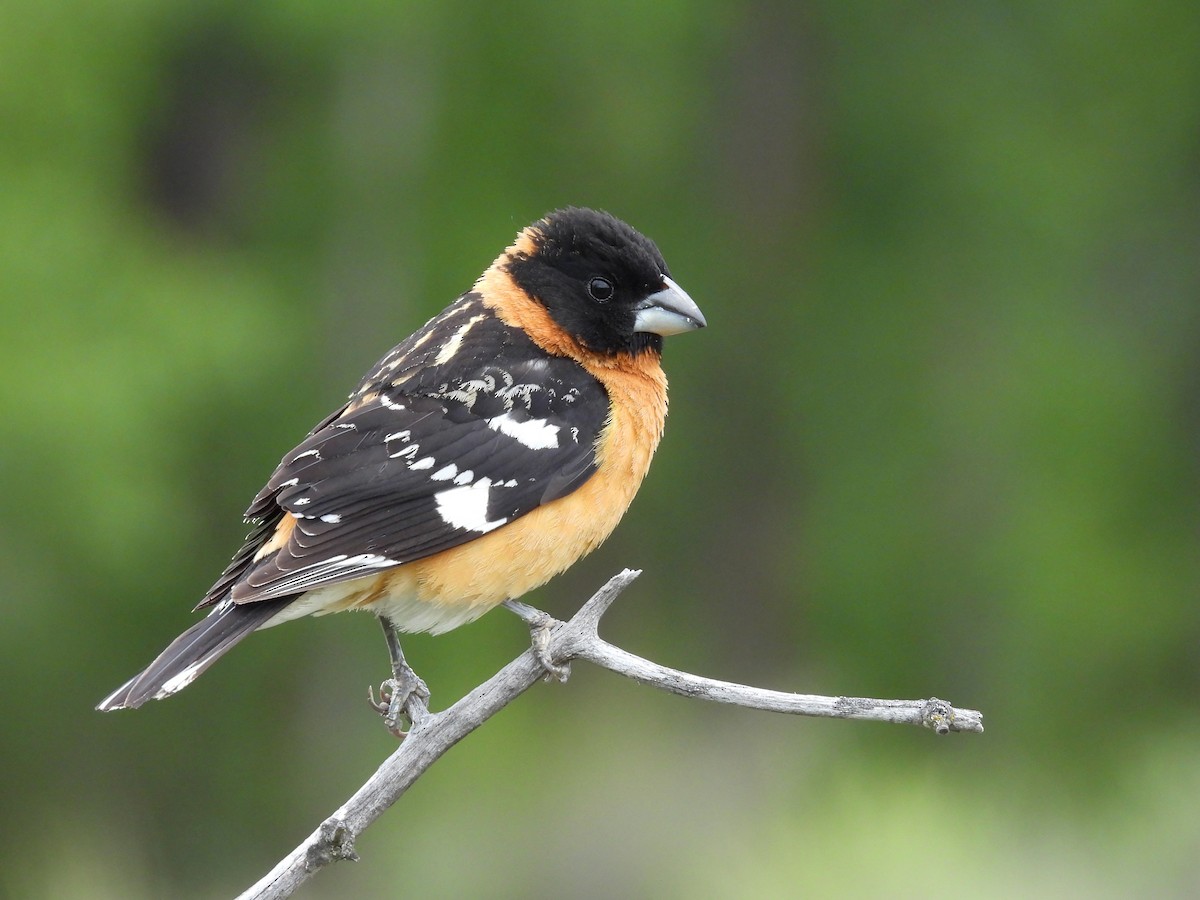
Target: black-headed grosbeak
480	457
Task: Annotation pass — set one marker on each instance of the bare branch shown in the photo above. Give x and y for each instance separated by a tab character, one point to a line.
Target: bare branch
433	734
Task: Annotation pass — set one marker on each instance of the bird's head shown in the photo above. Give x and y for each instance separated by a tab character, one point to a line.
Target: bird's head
602	281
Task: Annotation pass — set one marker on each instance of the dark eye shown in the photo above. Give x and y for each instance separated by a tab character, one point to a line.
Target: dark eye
600	289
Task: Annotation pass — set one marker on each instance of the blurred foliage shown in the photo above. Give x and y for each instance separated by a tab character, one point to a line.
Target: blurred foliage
940	437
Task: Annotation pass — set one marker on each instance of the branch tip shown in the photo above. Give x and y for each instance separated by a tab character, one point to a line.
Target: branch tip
589	614
942	718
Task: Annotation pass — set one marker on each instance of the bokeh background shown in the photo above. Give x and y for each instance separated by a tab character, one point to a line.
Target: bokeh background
940	437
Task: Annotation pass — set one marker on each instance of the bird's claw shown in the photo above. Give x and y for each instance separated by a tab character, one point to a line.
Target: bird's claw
395	703
541	628
539	639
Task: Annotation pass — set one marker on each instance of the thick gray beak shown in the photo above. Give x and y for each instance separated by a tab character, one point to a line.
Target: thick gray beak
669	311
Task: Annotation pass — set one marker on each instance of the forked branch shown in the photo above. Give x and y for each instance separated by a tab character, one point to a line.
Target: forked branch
433	734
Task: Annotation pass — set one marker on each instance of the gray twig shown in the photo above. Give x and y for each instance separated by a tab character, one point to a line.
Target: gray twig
433	734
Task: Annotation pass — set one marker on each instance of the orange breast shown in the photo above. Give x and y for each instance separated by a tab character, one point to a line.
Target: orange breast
520	556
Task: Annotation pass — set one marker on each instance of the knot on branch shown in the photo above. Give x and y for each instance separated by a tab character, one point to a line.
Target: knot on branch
942	718
335	841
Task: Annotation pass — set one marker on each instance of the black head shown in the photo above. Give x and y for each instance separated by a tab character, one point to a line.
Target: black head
602	281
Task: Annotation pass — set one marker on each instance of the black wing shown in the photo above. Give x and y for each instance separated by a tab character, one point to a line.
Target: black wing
461	429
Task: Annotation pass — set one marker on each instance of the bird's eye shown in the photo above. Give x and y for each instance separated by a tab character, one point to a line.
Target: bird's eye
600	289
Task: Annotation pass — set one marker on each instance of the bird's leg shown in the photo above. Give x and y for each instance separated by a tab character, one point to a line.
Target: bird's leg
398	693
541	626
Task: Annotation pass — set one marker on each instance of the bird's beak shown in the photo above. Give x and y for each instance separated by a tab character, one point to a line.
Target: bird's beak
669	311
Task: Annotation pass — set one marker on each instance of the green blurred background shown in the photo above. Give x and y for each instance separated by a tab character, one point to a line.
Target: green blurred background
940	437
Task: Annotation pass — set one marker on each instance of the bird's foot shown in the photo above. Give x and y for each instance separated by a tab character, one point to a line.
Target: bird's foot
402	697
541	629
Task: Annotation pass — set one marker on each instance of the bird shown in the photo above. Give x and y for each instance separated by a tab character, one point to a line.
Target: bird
481	456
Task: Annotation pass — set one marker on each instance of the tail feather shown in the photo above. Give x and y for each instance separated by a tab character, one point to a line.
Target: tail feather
193	652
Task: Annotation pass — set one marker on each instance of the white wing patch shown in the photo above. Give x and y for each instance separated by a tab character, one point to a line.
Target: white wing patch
536	434
466	507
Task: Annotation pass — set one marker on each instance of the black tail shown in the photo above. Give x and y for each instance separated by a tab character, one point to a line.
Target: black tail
193	652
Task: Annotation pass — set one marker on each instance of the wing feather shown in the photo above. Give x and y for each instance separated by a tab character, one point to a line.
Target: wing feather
424	460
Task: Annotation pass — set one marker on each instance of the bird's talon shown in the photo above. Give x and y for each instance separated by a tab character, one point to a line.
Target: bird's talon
381	705
395	695
540	633
541	629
